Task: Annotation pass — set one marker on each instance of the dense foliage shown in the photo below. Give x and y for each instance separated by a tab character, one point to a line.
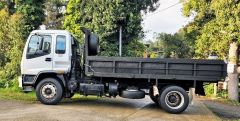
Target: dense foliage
173	45
17	19
54	13
216	24
32	12
11	45
104	18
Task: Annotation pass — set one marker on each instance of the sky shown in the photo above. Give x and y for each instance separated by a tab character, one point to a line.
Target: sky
167	18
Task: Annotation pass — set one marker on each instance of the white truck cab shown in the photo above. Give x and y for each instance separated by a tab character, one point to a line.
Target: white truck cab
47	50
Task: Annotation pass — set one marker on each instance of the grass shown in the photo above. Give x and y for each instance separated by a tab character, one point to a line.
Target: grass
222	95
17	94
225	100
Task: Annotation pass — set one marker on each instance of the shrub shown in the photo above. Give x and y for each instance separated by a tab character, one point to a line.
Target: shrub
209	90
11	46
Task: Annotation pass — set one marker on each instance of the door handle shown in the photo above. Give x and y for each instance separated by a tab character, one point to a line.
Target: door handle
48	59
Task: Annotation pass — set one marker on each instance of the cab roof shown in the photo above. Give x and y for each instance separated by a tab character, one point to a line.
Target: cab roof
50	31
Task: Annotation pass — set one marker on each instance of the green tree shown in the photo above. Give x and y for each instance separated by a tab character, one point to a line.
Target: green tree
32	12
103	16
217	24
54	13
17	19
3	4
9	4
134	48
11	45
176	45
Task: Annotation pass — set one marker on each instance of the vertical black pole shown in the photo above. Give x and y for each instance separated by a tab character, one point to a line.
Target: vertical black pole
120	41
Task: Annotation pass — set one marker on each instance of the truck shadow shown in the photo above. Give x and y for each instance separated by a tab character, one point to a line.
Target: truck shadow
122	103
108	102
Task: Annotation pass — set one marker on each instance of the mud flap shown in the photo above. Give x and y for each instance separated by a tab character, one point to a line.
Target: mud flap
155	91
199	89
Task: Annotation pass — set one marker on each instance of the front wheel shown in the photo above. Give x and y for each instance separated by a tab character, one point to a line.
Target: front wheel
174	99
49	91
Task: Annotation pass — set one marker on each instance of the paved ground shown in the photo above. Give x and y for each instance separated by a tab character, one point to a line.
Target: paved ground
103	109
223	110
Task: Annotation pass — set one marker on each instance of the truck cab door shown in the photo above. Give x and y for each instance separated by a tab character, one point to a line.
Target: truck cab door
62	53
37	54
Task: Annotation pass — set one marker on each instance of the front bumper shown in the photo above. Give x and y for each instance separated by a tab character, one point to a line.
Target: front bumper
25	82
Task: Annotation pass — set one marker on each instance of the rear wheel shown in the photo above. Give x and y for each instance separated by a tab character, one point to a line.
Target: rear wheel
174	99
49	91
153	98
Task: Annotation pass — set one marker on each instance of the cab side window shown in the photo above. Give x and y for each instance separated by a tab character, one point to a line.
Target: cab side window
60	44
39	45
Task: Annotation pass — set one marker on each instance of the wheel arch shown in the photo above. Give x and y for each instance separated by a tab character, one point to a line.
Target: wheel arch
185	84
49	74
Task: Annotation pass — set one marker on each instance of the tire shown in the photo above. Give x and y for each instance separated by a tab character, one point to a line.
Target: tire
69	95
93	45
132	94
49	91
153	98
174	99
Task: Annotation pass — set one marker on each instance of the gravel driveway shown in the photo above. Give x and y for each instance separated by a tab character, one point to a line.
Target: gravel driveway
102	109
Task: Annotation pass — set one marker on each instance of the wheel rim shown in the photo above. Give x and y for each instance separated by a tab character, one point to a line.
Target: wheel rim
49	91
174	99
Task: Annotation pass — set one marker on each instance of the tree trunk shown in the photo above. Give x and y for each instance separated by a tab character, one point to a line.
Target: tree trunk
233	75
